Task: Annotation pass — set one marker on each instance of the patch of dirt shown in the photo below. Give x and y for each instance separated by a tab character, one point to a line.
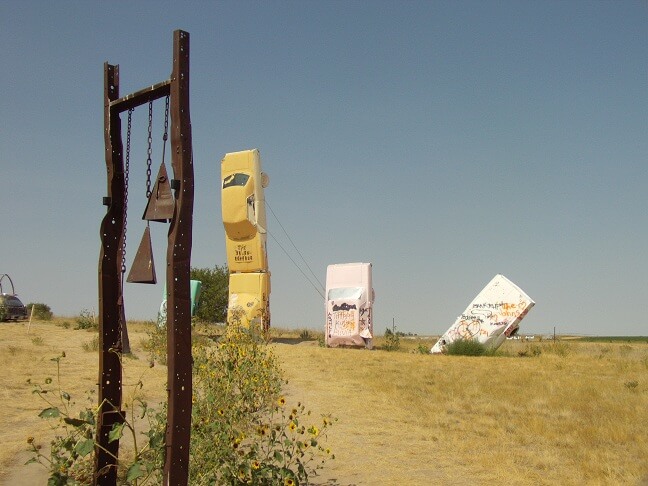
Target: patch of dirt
20	474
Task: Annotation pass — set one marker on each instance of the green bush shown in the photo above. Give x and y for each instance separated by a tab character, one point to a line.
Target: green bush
421	349
466	347
3	313
86	320
392	341
41	311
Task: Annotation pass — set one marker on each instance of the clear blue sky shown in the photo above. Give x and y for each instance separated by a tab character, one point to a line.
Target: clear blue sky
444	142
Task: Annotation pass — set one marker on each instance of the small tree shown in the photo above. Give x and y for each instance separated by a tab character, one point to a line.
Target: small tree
41	311
214	293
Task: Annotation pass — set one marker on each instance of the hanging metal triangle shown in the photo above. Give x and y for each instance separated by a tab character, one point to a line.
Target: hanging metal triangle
143	268
160	204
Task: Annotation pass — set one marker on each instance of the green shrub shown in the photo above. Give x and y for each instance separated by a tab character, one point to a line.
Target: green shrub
421	349
86	320
392	340
3	313
41	311
466	347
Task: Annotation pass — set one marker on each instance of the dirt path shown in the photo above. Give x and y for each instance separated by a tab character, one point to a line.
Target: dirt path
20	474
365	438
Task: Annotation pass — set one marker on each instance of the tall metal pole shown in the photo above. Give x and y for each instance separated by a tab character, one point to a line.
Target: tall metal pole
179	361
110	293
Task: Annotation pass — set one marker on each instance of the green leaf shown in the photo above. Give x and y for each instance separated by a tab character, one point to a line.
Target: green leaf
51	412
74	422
156	439
87	416
278	456
116	432
84	447
135	471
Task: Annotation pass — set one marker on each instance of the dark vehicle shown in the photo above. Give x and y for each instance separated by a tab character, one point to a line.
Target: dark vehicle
11	308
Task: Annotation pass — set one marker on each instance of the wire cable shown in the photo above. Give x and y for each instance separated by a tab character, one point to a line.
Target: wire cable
295	247
295	263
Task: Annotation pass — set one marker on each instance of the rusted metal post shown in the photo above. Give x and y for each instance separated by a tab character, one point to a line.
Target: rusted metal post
179	360
110	293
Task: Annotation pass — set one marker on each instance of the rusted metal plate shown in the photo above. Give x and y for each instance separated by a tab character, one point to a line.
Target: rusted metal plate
160	204
143	267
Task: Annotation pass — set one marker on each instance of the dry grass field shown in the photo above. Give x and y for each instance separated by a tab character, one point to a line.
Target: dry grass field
567	412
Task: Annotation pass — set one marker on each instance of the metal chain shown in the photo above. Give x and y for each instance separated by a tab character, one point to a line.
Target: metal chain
117	346
150	150
166	127
126	175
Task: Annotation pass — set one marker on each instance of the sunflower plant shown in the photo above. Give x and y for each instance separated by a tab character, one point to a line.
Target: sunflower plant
71	455
244	431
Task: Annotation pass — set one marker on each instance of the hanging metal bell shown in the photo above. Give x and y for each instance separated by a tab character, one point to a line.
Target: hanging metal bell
160	204
143	268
